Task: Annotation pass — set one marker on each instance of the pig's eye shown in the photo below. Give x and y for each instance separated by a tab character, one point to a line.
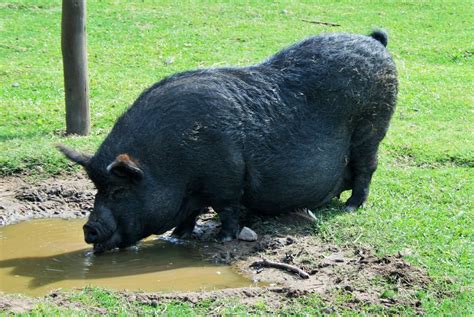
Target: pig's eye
117	193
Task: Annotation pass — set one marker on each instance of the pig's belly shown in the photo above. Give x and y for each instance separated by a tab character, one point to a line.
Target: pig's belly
294	179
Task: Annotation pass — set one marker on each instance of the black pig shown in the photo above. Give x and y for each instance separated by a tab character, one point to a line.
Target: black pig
289	133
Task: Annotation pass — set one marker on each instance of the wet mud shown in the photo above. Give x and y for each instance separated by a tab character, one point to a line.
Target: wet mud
353	272
22	199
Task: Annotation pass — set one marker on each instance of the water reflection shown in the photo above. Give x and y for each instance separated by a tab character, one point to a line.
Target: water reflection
41	255
151	256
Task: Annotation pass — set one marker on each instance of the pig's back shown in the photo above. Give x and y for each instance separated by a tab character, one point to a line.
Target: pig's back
281	128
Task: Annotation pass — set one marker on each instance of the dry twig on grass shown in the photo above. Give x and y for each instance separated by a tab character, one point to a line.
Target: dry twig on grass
321	22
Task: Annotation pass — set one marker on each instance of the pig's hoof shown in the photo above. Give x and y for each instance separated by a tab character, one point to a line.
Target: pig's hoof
226	237
180	234
353	203
183	236
350	208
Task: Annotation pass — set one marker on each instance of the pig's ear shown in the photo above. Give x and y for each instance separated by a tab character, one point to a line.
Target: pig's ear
79	158
125	167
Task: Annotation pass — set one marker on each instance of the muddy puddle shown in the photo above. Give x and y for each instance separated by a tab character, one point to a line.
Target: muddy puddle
38	256
41	255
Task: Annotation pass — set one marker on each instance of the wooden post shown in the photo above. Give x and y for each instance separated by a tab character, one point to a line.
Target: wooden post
74	49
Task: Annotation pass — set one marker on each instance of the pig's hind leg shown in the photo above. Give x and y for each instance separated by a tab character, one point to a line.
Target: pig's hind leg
229	217
363	171
363	159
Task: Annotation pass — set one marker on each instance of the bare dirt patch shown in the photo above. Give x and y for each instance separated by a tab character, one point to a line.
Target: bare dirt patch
352	273
66	198
16	304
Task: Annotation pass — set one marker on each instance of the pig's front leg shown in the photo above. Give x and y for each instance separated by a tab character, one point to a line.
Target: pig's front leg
185	229
229	223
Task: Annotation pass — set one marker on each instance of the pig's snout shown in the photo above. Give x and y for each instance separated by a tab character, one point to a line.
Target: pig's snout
100	226
91	234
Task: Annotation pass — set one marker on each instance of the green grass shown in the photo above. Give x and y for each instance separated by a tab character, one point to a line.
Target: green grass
427	215
92	301
422	195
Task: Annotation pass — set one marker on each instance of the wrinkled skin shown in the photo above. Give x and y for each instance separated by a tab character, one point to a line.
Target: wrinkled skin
292	132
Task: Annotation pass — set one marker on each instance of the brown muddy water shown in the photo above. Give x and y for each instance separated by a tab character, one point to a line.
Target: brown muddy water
41	255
